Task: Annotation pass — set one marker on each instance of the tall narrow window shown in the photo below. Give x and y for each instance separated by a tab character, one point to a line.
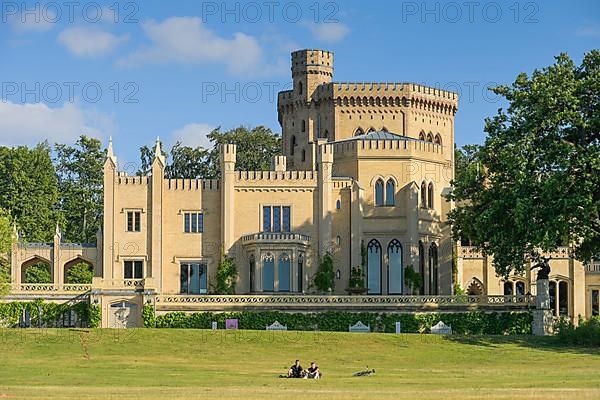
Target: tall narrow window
438	139
379	192
595	302
268	273
193	278
293	145
299	87
300	272
133	269
390	191
394	267
286	225
267	219
374	267
563	298
276	219
433	269
284	269
338	204
423	195
422	266
303	155
133	221
520	288
252	265
508	288
552	292
422	136
430	195
303	125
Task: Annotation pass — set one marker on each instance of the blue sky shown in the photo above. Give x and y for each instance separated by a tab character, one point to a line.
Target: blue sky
177	69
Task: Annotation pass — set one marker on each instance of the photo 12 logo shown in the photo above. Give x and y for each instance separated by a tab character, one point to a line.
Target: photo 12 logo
69	11
58	92
470	11
270	11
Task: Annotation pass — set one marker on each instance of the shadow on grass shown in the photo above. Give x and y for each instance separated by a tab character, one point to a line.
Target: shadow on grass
547	343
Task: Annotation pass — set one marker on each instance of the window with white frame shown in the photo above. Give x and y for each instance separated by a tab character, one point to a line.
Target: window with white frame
193	222
133	269
134	221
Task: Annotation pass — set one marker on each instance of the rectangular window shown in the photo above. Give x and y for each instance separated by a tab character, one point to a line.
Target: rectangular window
286	219
133	270
193	222
277	218
595	302
134	221
266	219
193	277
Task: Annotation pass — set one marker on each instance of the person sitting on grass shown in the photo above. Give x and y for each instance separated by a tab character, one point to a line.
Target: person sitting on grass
296	370
313	372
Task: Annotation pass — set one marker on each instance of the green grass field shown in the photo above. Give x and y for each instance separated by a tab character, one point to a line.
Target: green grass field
193	364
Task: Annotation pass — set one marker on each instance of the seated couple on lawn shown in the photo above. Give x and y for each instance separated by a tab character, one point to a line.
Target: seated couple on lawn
296	371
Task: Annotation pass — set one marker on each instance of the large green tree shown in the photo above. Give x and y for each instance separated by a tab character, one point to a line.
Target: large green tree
80	179
255	148
535	183
28	190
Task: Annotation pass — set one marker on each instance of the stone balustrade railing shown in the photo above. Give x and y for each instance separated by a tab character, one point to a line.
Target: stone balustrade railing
593	268
276	236
308	302
49	288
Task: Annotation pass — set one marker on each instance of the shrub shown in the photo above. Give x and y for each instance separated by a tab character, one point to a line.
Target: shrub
413	279
357	278
49	314
38	273
471	323
586	334
226	276
80	273
324	279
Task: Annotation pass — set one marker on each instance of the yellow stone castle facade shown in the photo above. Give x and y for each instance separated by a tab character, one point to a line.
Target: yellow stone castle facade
364	166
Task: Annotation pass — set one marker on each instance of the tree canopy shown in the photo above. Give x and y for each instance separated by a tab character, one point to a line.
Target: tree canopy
80	180
29	190
255	149
535	183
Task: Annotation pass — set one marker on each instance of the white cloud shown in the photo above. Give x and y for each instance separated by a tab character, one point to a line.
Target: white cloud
589	31
35	21
193	135
90	42
329	32
187	40
28	124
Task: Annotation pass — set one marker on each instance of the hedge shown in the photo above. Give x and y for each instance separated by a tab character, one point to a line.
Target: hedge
51	313
470	323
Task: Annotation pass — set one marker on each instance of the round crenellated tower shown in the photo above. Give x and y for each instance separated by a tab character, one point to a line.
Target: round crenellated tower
311	68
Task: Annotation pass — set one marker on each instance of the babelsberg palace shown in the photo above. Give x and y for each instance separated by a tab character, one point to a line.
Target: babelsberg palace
364	171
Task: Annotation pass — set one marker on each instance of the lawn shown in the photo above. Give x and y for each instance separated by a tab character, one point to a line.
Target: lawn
196	364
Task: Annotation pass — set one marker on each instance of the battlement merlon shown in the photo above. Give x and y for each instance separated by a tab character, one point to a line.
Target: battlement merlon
394	93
